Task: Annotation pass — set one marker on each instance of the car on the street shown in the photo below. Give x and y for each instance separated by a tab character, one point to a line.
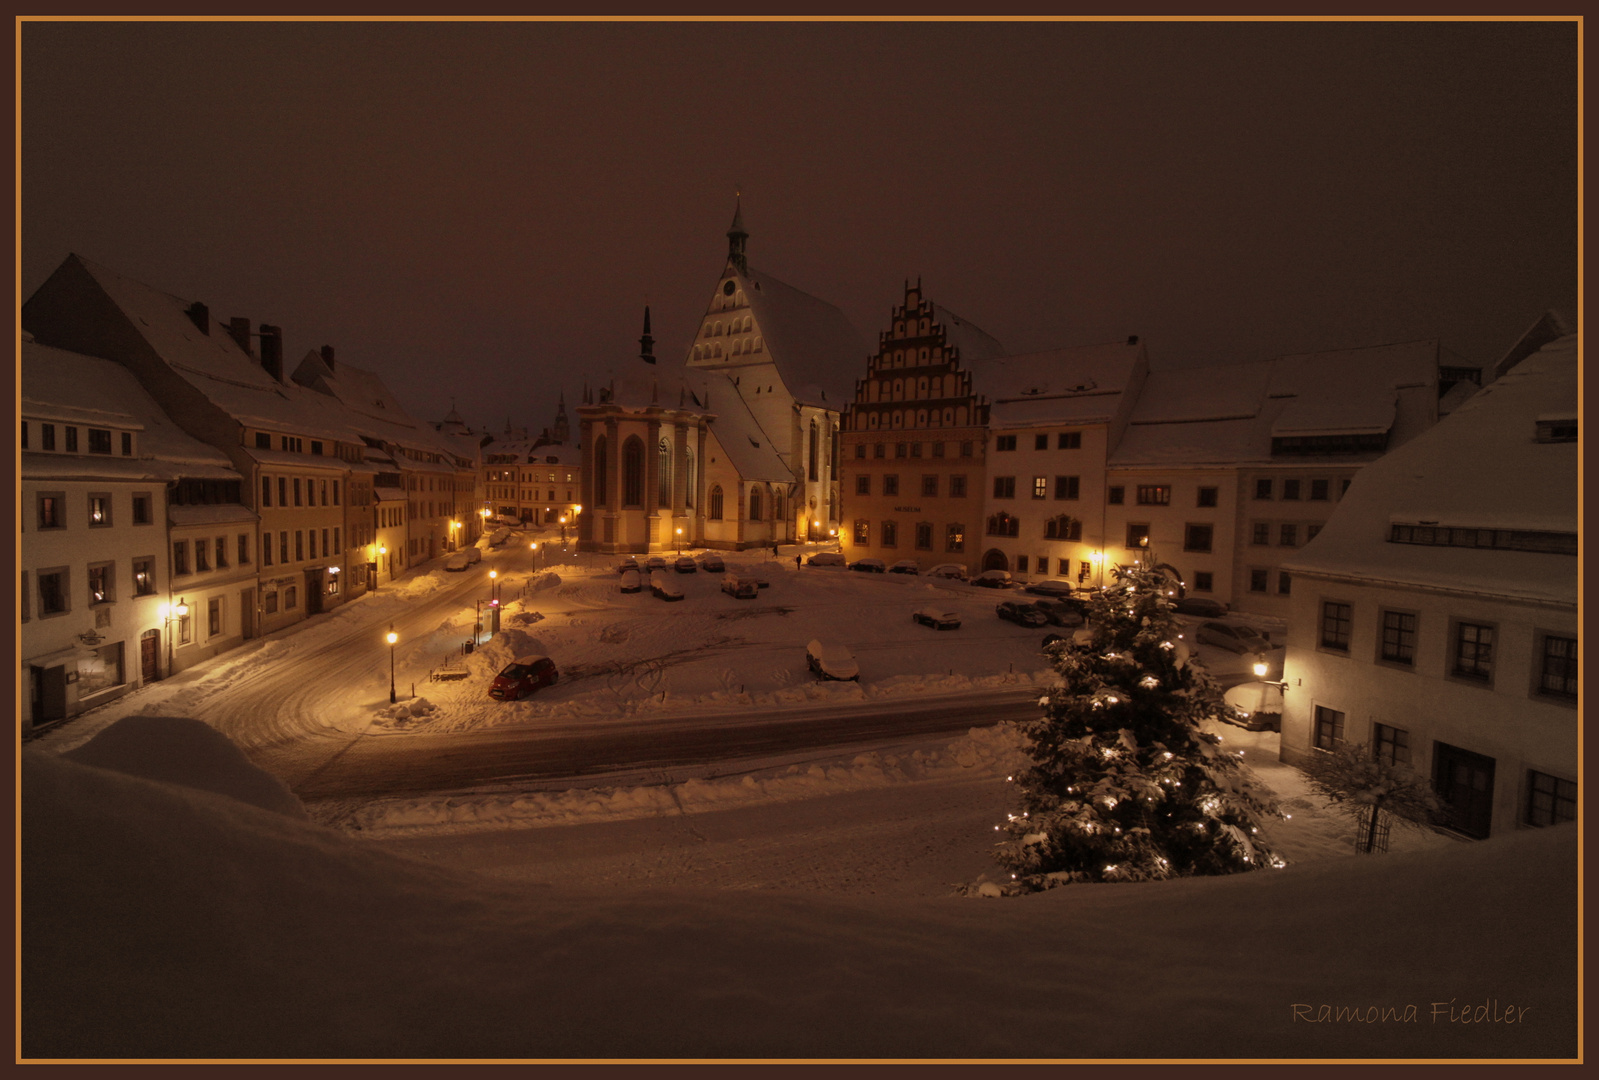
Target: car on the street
500	536
1240	639
1083	635
1201	606
1254	706
994	579
1020	613
937	618
1061	612
712	564
473	554
827	558
655	562
905	566
522	676
832	661
951	570
627	564
457	562
662	586
740	588
1049	588
632	581
868	566
686	565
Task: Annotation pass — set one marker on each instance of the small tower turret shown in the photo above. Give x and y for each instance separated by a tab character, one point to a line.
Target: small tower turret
646	344
736	237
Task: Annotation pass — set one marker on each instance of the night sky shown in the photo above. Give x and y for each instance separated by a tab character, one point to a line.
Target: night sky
482	210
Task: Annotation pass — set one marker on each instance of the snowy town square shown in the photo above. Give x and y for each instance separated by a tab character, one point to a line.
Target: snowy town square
917	540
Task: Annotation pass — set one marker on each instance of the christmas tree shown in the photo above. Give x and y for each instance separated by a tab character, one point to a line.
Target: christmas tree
1125	786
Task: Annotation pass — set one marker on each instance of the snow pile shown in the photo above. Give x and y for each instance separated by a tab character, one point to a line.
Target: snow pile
164	921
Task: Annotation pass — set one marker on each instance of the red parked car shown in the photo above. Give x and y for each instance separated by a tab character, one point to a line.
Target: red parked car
522	676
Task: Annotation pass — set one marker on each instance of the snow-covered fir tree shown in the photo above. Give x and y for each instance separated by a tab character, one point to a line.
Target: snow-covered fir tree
1125	786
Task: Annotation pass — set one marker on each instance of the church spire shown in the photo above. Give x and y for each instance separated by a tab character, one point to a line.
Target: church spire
646	344
563	429
736	236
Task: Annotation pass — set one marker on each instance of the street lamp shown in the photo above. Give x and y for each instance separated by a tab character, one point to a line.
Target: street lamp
680	539
534	548
563	530
393	637
493	587
168	612
1098	559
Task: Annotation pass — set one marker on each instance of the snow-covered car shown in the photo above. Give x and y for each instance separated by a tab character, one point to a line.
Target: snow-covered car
905	566
457	562
1199	605
827	558
686	565
632	581
937	618
663	588
627	564
868	566
1022	614
740	588
474	555
954	571
1255	706
1061	612
1240	639
994	579
500	536
654	562
832	661
712	564
522	676
1083	635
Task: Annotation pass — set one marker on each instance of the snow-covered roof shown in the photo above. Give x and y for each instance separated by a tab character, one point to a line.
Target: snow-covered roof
1349	392
368	406
214	514
1480	467
1080	385
971	340
818	352
388	494
56	382
736	430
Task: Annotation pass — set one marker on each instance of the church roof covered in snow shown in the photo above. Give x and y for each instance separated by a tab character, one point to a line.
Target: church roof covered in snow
1474	498
1082	385
818	352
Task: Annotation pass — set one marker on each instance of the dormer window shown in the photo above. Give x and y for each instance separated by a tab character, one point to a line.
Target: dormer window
1562	429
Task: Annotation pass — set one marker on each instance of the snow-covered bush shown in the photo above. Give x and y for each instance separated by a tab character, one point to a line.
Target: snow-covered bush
1369	789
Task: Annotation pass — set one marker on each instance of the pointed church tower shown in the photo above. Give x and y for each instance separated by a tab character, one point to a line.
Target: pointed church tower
562	430
736	238
646	344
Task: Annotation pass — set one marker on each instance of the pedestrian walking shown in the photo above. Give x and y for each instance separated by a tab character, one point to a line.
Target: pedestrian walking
796	562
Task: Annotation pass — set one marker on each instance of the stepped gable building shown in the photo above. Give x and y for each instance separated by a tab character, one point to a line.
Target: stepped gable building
1435	618
915	439
792	359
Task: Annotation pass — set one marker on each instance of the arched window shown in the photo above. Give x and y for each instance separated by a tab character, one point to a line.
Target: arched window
600	472
633	472
924	326
688	478
1002	524
871	420
718	328
777	507
664	467
812	471
748	323
718	348
899	389
757	344
921	417
899	419
921	387
1063	527
994	559
924	354
715	513
755	504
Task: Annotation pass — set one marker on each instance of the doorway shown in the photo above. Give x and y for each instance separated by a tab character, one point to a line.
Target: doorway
150	656
49	694
247	613
1465	785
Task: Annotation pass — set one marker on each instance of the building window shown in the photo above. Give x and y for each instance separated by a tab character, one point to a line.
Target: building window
1040	487
1329	728
1004	487
144	576
100	584
1154	494
1069	440
1290	489
180	557
1202	581
1399	637
244	549
266	549
72	440
957	487
221	552
1063	527
1474	650
633	472
1390	744
879	451
291	598
127	444
1550	800
1198	537
1260	533
202	557
916	449
930	487
938	449
99	511
1557	676
24	446
1335	623
1002	524
213	617
1063	567
863	484
50	511
1318	490
100	670
966	449
1312	531
1288	535
600	473
890	532
899	450
47	436
1284	583
1207	497
299	545
860	450
955	538
1115	495
1040	442
1138	534
924	536
53	591
1021	564
755	504
663	470
297	497
1263	489
1066	487
283	546
269	603
283	491
1005	442
863	532
891	484
99	441
715	512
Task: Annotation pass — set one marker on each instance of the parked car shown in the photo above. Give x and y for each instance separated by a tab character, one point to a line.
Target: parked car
1083	635
1022	614
632	581
1255	706
827	558
662	586
937	618
760	582
868	566
905	566
740	588
474	555
522	676
994	579
1240	639
832	661
500	536
712	564
457	562
951	570
686	565
654	562
1061	612
1199	605
1050	588
627	564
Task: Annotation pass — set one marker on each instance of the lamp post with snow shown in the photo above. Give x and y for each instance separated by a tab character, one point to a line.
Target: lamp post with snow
392	638
168	612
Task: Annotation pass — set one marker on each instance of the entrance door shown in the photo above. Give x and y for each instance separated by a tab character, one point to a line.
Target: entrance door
313	592
49	694
247	613
1465	784
995	559
150	655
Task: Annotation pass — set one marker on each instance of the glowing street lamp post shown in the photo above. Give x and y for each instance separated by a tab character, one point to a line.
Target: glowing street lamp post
680	539
168	612
393	637
534	548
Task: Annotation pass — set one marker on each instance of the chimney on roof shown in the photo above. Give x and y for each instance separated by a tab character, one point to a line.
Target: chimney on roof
201	317
327	357
239	331
1132	339
272	350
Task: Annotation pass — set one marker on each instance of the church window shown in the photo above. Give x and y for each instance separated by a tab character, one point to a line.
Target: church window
871	420
777	506
633	472
755	504
715	513
921	417
718	328
921	386
664	467
718	350
748	322
899	389
758	346
811	458
688	478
